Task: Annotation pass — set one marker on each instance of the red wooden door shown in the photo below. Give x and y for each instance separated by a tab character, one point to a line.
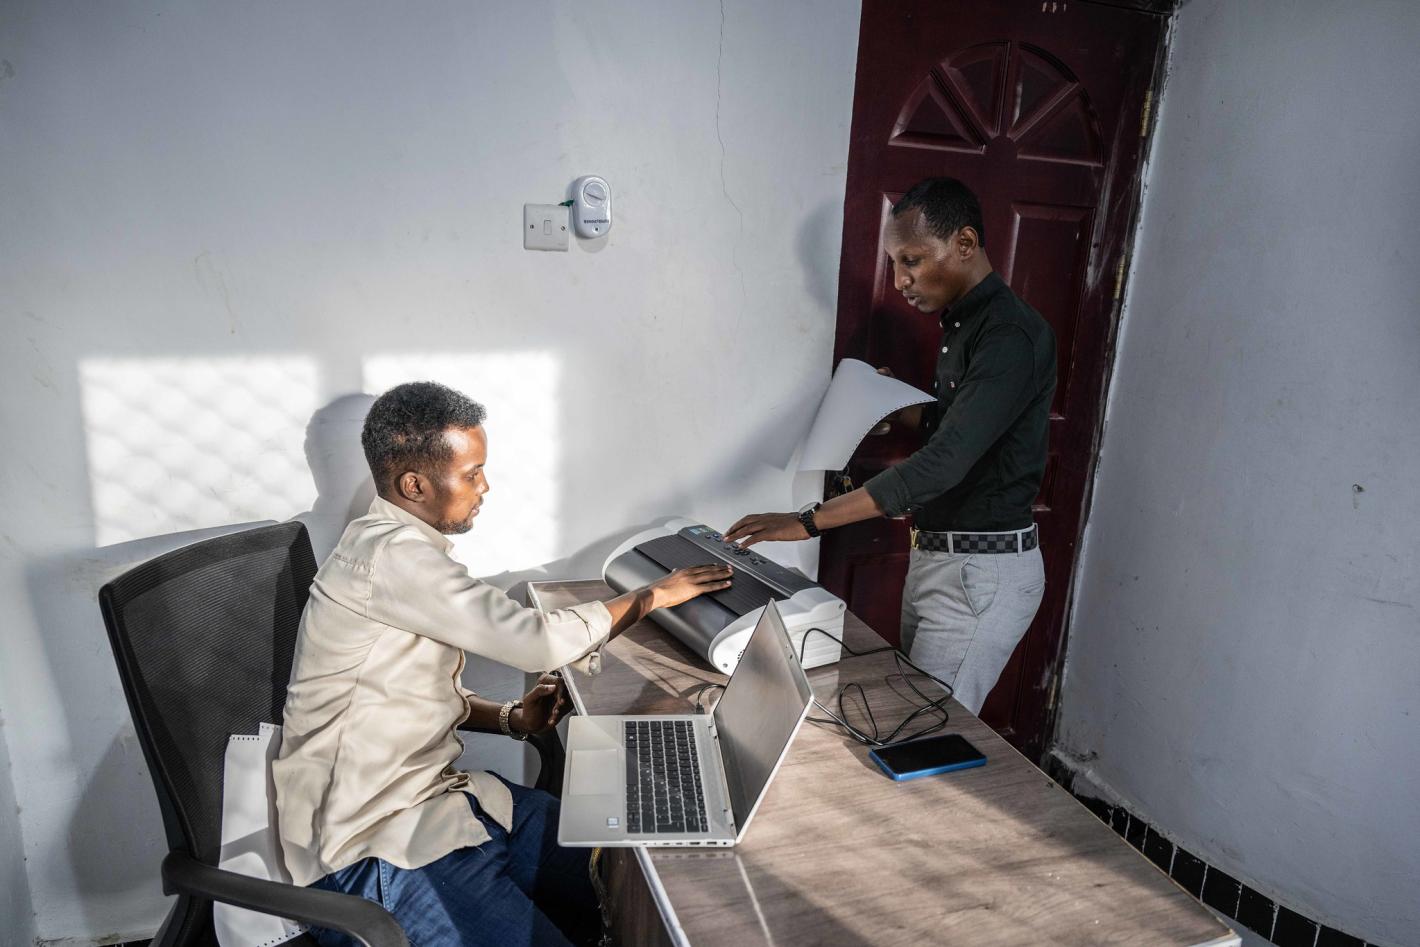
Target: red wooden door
1041	110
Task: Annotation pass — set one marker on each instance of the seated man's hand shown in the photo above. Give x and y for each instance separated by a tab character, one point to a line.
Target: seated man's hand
682	585
543	706
766	527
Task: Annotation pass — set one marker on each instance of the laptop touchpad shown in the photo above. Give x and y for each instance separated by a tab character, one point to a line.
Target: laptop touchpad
597	772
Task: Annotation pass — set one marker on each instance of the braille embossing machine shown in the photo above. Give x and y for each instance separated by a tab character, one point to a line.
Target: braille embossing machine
717	625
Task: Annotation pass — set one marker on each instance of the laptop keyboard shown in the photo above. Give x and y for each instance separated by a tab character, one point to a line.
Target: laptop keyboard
663	791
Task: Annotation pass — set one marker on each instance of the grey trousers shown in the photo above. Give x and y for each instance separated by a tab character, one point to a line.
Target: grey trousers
963	615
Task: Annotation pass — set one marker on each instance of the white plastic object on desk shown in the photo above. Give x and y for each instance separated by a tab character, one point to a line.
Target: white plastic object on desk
591	206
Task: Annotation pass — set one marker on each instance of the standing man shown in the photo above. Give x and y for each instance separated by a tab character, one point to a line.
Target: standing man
369	800
975	577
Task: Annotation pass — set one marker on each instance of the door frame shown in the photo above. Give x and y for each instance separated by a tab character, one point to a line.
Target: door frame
1167	9
1040	709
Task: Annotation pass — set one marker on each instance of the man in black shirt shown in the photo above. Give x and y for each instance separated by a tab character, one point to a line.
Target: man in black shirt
976	576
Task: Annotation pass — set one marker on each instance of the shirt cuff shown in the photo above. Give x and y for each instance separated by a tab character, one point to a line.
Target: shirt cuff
598	621
890	492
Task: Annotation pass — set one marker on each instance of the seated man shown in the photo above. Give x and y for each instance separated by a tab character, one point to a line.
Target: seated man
368	799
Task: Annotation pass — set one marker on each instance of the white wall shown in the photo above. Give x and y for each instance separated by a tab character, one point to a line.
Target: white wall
1244	651
15	905
224	222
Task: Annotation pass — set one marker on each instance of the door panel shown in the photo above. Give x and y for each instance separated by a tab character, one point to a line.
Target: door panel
1041	114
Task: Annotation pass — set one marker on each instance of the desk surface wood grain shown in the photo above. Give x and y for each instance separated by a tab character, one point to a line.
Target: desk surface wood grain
839	854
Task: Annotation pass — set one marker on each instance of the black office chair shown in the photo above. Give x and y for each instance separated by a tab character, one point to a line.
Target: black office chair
203	637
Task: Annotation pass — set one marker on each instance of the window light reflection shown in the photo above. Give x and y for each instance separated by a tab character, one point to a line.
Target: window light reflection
186	443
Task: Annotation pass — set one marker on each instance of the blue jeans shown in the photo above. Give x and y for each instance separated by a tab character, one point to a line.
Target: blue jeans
518	888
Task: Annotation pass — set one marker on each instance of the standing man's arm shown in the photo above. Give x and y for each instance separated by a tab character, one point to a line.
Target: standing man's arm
997	386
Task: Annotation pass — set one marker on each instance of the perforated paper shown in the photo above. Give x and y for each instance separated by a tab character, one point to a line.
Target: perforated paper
857	400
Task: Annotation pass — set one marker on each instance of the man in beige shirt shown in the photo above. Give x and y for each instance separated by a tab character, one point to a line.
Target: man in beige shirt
368	799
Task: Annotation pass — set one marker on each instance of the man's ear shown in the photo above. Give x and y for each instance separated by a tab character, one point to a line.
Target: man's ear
967	242
412	487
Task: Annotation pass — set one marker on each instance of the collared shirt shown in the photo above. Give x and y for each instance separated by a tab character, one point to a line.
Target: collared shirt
984	459
366	766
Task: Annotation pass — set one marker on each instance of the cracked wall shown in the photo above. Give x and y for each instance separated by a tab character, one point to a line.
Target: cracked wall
1245	641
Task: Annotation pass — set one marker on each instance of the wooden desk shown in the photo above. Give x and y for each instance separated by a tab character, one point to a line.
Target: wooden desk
840	855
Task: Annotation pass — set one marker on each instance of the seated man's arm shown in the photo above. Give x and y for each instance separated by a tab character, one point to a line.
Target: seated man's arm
417	588
542	707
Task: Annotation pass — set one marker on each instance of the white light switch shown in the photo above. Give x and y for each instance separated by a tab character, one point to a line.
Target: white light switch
544	227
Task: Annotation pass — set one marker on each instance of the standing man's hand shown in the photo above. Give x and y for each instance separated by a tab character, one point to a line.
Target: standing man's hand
766	527
910	416
544	705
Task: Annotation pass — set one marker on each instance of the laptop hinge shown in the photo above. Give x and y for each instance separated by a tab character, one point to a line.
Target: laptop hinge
729	813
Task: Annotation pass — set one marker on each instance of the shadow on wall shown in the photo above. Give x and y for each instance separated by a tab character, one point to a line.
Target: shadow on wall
115	838
819	245
344	488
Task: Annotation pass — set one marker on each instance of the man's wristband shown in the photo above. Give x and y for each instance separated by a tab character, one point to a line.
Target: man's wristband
806	517
505	720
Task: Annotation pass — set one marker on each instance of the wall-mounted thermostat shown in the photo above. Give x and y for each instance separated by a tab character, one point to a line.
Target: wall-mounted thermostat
591	206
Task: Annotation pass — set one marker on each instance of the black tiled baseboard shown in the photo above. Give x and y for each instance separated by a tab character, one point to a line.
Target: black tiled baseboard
1215	887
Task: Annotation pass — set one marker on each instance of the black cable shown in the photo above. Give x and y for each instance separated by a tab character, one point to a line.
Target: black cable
700	694
930	705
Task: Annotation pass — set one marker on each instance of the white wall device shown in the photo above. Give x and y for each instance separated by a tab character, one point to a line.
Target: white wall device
591	206
544	227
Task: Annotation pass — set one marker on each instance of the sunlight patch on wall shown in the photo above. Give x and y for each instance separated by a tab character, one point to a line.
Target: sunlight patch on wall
186	443
517	528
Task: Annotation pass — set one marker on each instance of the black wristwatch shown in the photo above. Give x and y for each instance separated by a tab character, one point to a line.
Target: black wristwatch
806	516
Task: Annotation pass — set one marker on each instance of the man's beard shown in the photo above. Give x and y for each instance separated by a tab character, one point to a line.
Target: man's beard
455	527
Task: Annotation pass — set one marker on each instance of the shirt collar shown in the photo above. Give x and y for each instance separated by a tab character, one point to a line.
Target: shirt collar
974	301
384	508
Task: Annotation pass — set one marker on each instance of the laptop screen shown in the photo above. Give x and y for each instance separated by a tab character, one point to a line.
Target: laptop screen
759	712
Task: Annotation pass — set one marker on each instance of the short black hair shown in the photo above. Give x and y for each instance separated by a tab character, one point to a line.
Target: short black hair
947	205
405	428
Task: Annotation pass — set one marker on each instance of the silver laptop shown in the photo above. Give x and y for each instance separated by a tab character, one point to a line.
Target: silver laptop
693	779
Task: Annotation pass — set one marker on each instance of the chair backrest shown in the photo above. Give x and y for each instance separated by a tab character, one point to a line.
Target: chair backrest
204	637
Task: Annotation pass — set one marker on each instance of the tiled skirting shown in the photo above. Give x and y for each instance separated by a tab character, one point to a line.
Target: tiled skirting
1213	886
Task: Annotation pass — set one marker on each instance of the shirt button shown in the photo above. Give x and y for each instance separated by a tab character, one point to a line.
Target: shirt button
944	350
952	384
956	325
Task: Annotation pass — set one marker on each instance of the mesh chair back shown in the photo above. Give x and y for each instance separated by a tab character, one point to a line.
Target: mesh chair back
204	637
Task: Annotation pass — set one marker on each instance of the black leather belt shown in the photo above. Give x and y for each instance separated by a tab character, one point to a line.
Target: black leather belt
1015	541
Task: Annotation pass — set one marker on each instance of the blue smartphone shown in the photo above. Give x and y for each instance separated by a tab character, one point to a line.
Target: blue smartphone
927	756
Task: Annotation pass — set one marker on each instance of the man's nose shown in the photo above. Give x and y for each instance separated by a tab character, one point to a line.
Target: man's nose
486	486
900	280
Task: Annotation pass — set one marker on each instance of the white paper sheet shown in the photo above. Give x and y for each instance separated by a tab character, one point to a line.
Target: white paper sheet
250	842
857	400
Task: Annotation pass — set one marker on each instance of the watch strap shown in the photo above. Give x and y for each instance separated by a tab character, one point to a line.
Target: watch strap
806	517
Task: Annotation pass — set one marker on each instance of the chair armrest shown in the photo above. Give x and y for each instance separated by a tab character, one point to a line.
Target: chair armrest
364	920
